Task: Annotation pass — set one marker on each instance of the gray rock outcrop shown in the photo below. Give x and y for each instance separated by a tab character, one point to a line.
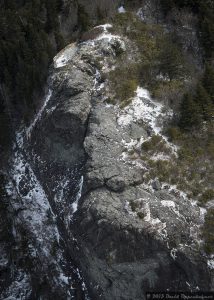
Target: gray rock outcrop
132	239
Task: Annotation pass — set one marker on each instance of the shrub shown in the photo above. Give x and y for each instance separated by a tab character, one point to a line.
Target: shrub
152	143
134	205
118	49
210	148
190	113
174	133
168	91
124	86
110	101
141	215
172	62
207	196
127	89
185	154
125	103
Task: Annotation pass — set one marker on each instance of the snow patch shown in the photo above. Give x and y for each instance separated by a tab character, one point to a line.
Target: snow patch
108	36
140	14
39	114
174	190
121	10
142	108
162	77
160	156
173	253
210	264
104	26
28	196
79	194
64	278
133	144
203	212
171	205
168	203
64	56
97	78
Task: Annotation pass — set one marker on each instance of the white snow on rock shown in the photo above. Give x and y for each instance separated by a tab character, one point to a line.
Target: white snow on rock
108	36
104	26
162	77
173	253
210	264
174	189
203	212
121	10
35	213
64	56
20	288
35	204
133	144
168	203
39	114
171	205
153	114
64	278
97	85
142	108
160	156
111	38
156	222
79	194
140	14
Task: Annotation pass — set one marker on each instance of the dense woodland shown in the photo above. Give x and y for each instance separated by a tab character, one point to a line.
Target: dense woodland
29	36
26	48
199	106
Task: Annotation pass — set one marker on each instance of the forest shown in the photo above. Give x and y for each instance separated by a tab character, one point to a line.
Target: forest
26	49
198	106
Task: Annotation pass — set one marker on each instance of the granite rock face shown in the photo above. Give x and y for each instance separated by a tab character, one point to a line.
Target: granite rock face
132	238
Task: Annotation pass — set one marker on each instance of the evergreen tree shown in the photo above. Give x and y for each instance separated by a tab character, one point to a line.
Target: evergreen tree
25	47
167	5
190	114
83	18
208	81
207	35
203	101
52	17
171	61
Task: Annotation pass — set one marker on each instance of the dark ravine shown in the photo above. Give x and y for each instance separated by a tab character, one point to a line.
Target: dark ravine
71	191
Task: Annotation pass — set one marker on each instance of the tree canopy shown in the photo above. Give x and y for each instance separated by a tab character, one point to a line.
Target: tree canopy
25	48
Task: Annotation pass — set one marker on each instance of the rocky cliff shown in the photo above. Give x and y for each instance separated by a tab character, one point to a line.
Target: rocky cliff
83	222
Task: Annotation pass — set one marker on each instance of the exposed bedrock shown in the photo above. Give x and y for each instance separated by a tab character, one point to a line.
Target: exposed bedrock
132	239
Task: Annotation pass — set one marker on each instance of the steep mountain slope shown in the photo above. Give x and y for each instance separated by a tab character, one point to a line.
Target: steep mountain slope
86	217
